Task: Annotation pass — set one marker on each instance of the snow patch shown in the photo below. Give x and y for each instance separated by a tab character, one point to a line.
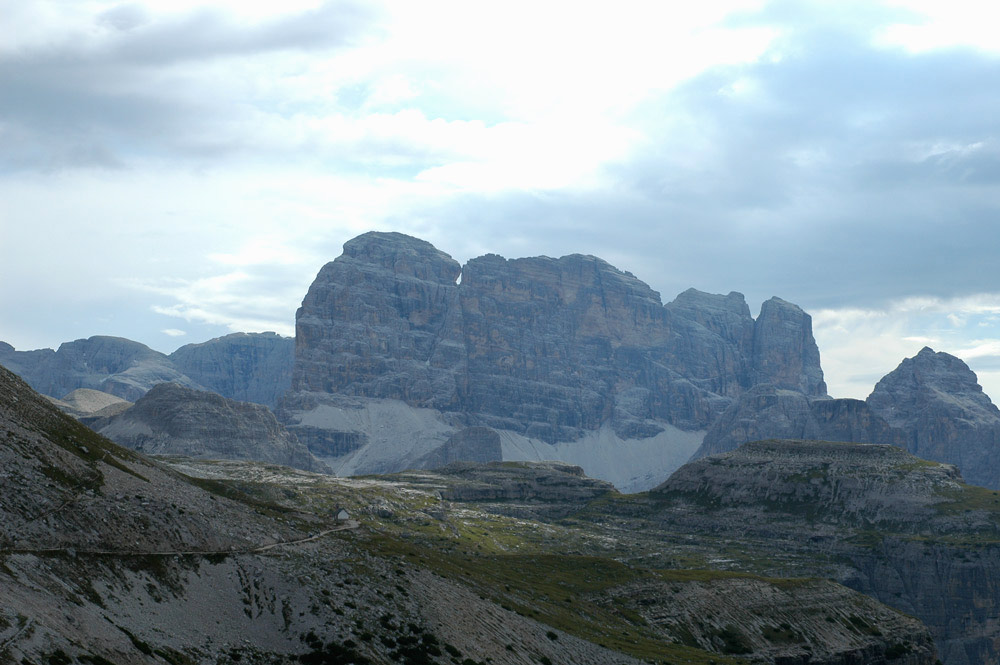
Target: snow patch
399	435
631	465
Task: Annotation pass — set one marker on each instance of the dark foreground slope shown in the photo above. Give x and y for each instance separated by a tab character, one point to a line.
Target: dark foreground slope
109	558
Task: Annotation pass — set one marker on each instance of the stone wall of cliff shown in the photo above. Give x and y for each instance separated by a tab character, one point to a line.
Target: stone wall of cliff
549	348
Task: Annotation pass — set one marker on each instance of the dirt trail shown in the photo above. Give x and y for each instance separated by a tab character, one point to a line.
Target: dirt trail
349	524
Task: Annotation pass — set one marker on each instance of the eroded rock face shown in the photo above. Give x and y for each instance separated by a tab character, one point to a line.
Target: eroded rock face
173	420
247	367
547	348
784	350
767	412
938	404
381	321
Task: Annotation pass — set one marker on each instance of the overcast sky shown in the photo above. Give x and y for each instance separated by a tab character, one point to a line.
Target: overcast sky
175	170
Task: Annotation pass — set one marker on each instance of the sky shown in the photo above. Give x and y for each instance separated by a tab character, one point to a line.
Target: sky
175	170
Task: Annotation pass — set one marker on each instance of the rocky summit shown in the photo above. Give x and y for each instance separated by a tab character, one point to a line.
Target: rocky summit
554	354
173	420
113	365
931	405
935	400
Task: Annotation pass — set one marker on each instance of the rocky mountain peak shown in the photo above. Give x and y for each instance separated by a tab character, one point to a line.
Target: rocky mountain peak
546	349
936	400
403	255
700	302
784	349
932	380
114	365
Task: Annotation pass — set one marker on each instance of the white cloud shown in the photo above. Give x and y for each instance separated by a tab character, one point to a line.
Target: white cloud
859	346
945	25
173	332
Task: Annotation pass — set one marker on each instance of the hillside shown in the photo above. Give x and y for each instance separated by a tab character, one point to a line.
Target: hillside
108	557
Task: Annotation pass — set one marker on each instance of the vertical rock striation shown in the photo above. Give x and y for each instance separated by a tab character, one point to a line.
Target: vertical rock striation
768	412
381	321
247	367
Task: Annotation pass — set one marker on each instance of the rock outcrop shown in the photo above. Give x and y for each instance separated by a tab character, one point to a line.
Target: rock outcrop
784	350
247	367
938	404
548	349
904	530
865	483
173	420
767	412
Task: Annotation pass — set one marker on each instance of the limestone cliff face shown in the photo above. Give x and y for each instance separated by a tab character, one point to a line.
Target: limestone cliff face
173	420
380	321
547	348
767	412
784	350
938	404
247	367
863	482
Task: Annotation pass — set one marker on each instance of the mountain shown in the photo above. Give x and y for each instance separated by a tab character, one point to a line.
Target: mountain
173	420
111	558
253	367
247	367
113	365
931	405
566	358
938	404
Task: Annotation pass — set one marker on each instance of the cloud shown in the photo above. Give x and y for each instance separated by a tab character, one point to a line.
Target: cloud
173	332
200	163
154	87
859	346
